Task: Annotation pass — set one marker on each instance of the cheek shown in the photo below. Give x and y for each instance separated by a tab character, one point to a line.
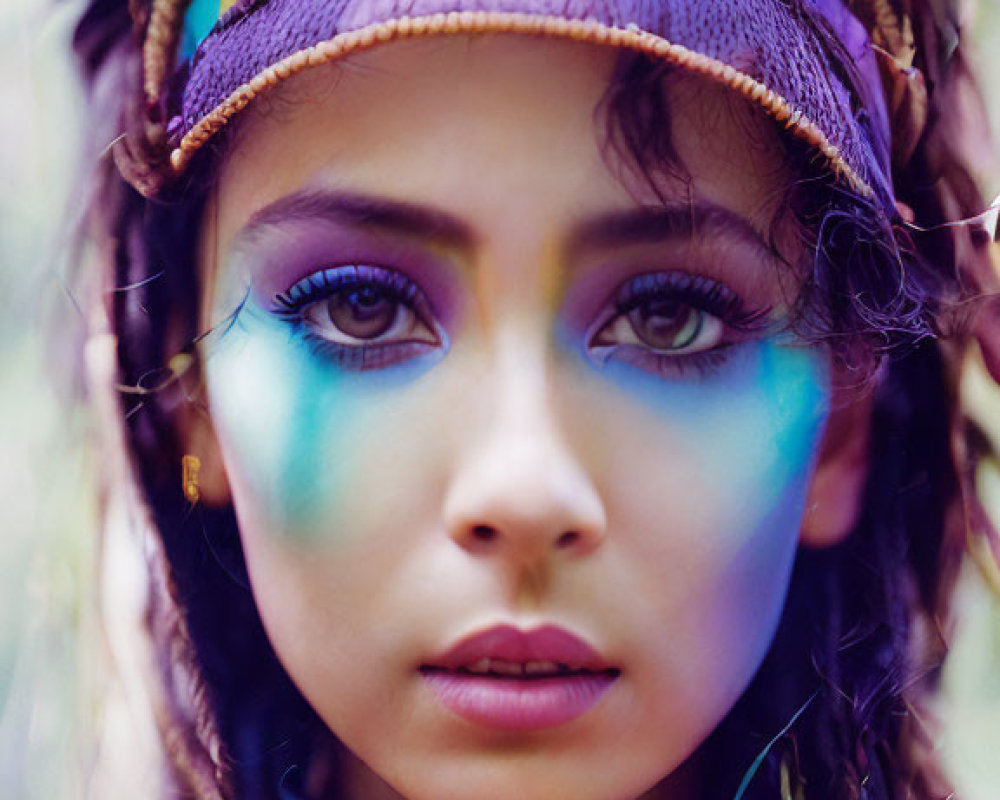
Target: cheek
318	461
721	468
303	441
284	425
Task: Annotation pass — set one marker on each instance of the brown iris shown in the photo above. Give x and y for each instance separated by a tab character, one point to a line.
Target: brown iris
362	313
666	324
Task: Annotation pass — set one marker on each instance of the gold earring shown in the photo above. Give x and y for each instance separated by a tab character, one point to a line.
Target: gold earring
190	467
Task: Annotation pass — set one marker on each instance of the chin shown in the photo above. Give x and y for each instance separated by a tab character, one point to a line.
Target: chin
520	774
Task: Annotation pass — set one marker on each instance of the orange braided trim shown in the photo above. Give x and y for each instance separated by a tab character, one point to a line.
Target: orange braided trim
896	32
475	22
165	19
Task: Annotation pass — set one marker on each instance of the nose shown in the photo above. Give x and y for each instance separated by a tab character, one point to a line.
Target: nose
519	492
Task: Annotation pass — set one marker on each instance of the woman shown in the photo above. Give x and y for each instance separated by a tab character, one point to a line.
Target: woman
539	401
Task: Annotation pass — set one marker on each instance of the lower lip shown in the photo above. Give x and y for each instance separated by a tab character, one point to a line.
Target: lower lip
518	704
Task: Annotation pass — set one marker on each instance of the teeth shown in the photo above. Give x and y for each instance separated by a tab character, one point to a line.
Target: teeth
506	668
540	667
493	666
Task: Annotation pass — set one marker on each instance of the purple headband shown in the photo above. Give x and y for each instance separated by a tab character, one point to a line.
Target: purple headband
809	64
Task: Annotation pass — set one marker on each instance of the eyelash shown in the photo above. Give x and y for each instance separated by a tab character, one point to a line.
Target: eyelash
698	293
295	305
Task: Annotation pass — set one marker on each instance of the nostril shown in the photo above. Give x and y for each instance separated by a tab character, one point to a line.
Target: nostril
484	533
567	539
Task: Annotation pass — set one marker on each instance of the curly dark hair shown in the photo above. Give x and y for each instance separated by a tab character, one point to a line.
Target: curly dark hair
864	631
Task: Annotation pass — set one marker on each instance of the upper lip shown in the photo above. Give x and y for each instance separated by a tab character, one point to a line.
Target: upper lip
546	643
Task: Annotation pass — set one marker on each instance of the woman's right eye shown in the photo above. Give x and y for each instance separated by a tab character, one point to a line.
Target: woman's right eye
365	315
361	316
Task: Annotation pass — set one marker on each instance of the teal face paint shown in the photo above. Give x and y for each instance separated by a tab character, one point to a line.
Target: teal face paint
751	423
762	411
291	417
746	434
286	417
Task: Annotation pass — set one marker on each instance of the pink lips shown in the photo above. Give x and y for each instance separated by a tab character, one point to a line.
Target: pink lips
515	680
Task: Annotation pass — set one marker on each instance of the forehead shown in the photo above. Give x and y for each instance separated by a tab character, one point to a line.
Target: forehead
465	124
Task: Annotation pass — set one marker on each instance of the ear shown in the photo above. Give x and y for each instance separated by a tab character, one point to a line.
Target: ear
833	504
198	438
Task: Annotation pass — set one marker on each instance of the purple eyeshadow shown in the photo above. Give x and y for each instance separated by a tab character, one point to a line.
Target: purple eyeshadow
279	256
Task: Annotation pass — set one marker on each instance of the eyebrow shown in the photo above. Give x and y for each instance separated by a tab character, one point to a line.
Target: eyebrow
362	210
642	225
652	224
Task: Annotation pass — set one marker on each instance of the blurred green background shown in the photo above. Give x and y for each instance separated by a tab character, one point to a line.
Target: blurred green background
63	732
48	508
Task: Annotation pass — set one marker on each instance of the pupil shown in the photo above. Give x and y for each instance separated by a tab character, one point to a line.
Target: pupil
366	297
364	313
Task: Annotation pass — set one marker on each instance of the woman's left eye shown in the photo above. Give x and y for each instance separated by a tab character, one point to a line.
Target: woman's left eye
363	316
665	325
667	322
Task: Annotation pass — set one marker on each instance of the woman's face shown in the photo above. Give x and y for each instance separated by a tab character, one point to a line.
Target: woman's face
519	453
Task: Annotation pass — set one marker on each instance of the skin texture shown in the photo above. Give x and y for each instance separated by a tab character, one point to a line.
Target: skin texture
654	512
